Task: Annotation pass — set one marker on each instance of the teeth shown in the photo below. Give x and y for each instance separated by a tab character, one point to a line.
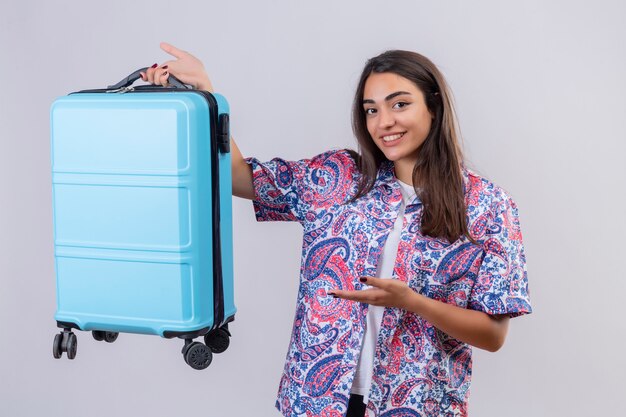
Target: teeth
392	137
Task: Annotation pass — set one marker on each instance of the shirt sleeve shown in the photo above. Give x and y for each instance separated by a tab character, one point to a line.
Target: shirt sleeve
502	284
291	190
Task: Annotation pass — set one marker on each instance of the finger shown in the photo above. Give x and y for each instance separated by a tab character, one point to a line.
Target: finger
150	74
374	282
172	50
172	64
360	296
158	78
346	295
171	67
164	78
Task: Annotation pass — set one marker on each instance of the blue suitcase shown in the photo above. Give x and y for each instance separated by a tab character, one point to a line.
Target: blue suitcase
142	213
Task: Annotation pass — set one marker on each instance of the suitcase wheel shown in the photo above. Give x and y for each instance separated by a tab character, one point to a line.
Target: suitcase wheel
108	337
217	340
71	346
56	347
67	342
197	355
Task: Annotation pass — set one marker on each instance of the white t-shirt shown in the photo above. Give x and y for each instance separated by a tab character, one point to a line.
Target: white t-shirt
365	368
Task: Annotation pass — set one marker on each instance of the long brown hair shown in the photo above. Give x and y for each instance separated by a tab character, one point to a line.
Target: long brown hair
437	173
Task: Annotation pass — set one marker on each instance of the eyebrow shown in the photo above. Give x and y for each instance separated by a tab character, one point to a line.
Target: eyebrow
389	97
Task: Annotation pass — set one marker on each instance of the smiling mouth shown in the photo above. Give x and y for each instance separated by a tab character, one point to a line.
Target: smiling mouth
391	138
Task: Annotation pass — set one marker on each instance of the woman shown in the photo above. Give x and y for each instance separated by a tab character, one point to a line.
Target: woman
409	258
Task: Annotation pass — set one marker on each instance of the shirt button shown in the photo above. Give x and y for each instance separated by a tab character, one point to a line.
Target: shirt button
375	244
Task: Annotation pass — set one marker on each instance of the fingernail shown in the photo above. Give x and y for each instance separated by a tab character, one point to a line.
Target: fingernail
164	67
164	74
154	66
363	279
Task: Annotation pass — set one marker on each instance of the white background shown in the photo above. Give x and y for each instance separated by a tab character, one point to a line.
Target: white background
540	91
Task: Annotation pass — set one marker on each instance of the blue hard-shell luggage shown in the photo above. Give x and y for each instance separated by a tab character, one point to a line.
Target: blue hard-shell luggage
142	208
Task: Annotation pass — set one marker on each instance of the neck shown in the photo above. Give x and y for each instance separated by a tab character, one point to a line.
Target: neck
404	172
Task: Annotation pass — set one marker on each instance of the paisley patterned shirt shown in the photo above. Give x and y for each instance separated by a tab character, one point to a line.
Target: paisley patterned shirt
418	370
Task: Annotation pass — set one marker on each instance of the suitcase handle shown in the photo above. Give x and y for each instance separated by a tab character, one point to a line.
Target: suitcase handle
173	81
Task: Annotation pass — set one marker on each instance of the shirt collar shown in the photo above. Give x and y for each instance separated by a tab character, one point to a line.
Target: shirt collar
387	177
386	173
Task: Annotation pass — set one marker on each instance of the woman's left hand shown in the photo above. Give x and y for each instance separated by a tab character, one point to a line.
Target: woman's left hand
384	292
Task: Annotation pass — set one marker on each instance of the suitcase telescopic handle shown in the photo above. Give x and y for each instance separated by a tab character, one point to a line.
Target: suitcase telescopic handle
173	81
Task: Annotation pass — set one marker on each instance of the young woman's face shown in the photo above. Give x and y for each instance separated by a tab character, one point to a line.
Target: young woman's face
397	118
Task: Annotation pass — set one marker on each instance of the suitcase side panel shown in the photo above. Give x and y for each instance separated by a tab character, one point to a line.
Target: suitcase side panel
117	216
226	221
117	141
118	291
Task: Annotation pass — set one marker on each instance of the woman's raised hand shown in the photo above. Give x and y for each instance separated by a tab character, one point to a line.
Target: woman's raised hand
185	67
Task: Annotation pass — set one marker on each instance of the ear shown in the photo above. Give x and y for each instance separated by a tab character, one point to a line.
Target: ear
434	98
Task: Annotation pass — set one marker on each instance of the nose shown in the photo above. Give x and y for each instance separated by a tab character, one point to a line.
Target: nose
385	119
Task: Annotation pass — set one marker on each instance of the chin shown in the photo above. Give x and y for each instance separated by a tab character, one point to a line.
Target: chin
394	156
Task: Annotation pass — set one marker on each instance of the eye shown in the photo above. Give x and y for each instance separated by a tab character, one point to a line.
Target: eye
370	111
400	104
